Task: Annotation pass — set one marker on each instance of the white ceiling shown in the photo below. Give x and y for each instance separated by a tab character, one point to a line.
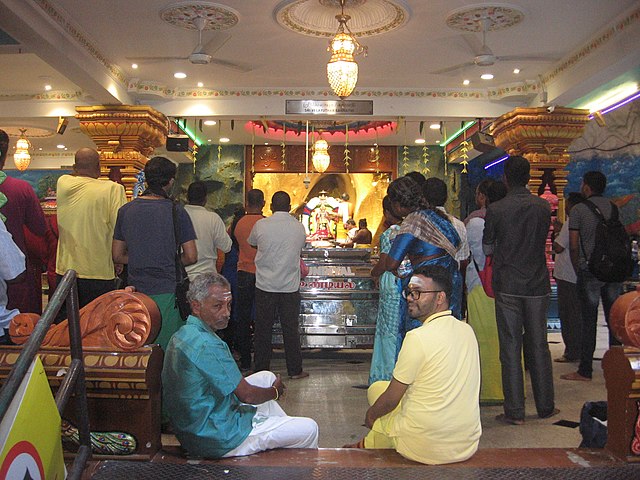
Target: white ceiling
82	47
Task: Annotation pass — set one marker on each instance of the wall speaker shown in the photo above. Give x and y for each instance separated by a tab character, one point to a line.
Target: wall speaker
62	125
177	143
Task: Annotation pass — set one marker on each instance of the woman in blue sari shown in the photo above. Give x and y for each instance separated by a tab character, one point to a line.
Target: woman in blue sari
391	306
426	237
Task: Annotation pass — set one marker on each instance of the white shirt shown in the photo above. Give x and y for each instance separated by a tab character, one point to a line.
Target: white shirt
211	235
279	240
475	229
463	249
563	269
12	264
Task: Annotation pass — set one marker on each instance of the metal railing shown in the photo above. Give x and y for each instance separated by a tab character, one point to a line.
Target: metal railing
74	381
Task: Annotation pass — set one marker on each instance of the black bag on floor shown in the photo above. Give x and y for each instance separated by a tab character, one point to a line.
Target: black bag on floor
594	432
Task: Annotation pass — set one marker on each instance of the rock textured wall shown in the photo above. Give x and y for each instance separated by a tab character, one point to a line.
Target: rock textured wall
222	172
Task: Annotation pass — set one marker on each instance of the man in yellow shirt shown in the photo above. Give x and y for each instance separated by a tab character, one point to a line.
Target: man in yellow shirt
430	411
87	211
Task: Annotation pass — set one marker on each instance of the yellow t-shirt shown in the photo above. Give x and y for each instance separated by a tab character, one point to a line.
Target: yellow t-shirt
439	416
87	211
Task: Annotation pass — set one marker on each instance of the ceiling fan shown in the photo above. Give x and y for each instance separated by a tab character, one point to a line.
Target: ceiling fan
201	54
484	56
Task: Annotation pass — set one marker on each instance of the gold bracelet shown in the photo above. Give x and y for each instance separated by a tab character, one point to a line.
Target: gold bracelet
277	393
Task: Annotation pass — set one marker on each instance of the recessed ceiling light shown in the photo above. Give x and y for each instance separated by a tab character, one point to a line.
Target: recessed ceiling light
435	126
516	71
134	65
420	141
60	146
47	87
437	141
486	76
210	122
180	75
466	82
224	140
40	148
209	140
266	143
200	84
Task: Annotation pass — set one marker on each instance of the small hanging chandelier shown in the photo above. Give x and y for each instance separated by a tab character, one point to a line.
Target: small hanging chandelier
342	69
21	157
321	157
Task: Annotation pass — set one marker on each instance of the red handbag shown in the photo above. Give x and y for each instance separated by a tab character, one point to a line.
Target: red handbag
486	275
304	269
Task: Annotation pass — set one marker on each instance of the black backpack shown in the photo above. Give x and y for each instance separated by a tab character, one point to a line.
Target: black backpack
611	259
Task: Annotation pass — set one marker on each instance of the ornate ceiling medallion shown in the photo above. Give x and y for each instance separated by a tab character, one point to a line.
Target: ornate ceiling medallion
34	132
499	16
183	14
317	18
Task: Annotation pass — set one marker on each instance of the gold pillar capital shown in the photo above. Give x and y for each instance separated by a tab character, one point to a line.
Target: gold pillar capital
540	135
125	136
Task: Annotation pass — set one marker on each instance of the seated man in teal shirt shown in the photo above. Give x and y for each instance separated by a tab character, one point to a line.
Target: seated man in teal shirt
214	411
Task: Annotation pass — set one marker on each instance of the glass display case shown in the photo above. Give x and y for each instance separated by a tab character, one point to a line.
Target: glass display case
339	300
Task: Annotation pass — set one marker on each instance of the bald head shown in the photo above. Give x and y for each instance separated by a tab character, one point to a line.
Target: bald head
87	163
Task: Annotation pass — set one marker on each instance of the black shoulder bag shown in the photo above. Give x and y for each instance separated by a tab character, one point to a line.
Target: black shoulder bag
182	279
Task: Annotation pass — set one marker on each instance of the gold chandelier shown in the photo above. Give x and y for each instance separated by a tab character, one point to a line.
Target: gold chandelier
342	69
321	157
22	157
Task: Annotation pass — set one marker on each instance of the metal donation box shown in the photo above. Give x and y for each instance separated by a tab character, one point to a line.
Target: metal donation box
339	301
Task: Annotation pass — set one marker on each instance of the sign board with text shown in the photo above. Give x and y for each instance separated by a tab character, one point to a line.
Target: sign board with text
329	107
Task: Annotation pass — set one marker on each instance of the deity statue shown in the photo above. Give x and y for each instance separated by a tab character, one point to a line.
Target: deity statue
320	217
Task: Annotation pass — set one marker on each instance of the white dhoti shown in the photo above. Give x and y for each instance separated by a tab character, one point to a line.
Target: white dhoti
272	428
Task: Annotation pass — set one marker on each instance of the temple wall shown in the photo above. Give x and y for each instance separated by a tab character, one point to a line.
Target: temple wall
614	149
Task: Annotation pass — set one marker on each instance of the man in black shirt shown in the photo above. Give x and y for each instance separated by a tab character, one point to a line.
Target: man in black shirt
515	233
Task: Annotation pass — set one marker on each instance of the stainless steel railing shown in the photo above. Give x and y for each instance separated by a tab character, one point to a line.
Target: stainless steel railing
74	381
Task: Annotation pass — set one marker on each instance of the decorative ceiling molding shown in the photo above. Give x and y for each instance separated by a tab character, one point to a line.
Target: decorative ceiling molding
503	91
54	96
318	18
183	14
609	34
75	32
499	16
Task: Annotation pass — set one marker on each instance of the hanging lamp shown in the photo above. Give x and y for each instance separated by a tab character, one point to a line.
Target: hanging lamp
22	157
342	69
320	156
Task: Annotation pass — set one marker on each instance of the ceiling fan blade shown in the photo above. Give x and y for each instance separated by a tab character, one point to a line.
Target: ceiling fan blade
526	58
472	41
215	43
233	66
148	60
452	69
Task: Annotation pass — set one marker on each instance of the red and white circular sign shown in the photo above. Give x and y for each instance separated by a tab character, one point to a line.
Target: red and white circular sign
22	462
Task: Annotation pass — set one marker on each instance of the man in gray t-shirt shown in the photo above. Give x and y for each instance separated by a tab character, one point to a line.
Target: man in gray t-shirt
582	231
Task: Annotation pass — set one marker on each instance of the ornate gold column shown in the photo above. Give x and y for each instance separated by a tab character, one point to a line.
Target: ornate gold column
125	137
542	137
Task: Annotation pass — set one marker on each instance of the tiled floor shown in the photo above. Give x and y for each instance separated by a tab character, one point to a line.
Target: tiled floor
334	395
